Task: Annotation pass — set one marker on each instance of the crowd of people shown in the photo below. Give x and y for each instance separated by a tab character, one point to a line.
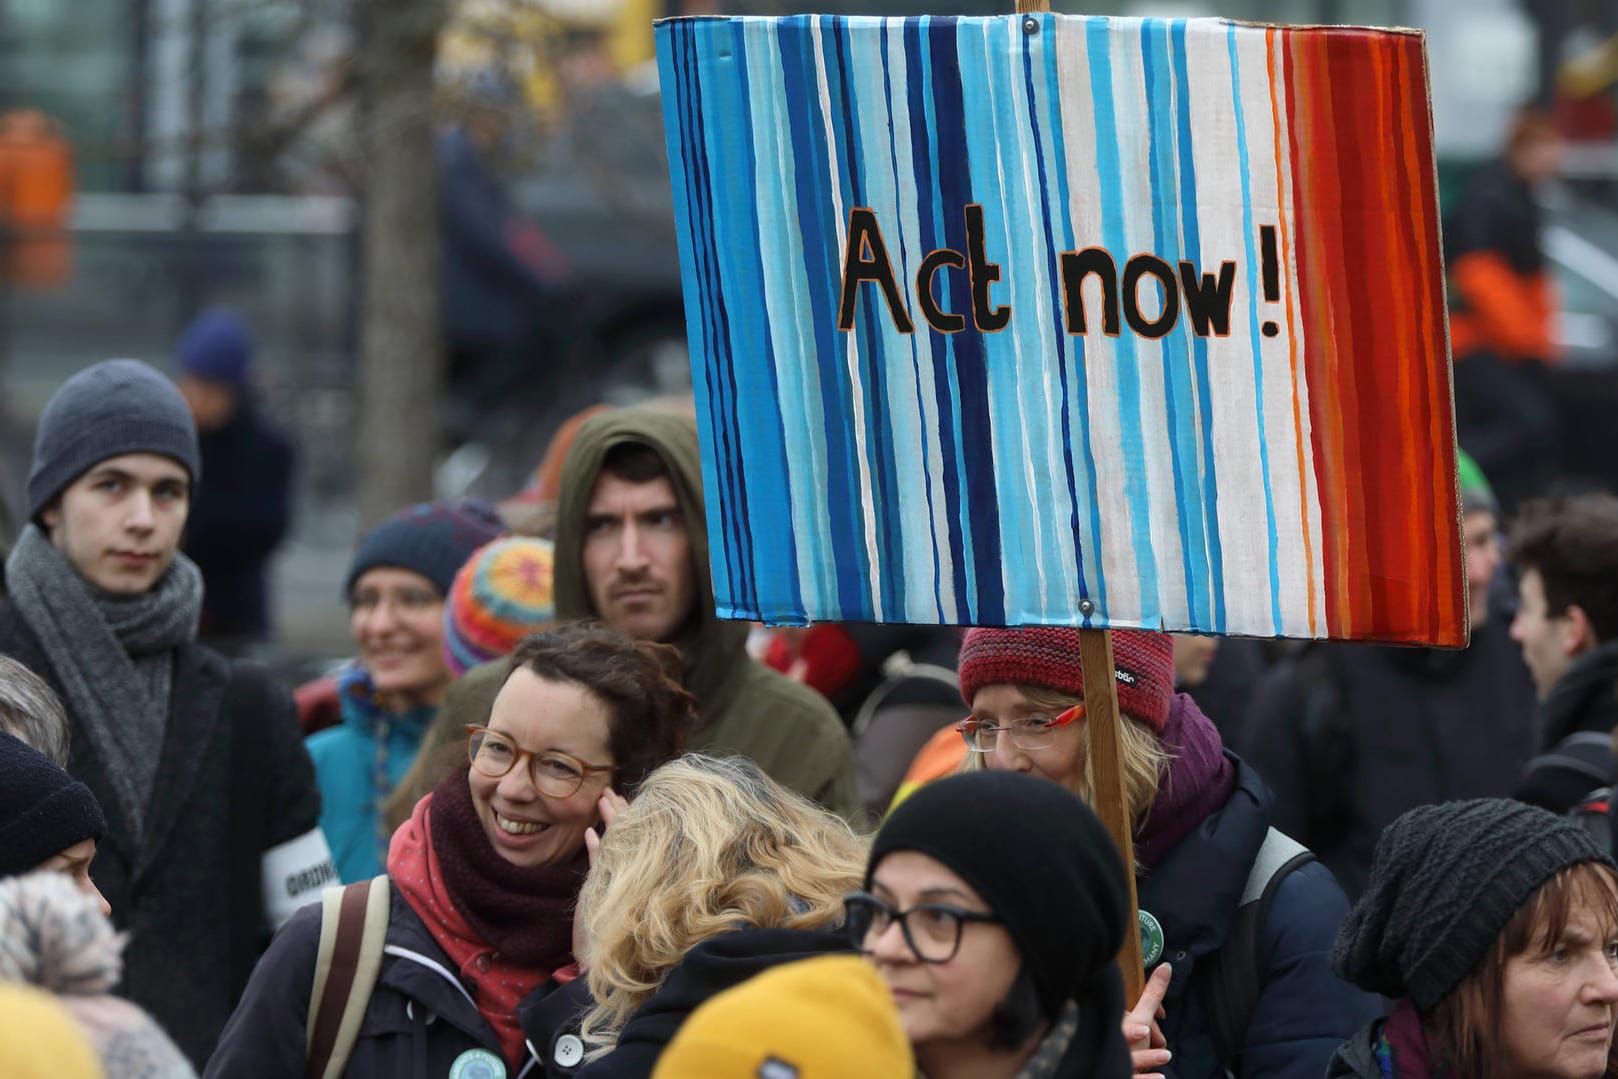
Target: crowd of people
556	818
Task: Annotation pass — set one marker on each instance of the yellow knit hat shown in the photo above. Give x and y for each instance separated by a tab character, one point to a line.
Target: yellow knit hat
39	1039
824	1018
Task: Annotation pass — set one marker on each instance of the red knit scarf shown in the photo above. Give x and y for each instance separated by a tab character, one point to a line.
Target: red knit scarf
506	928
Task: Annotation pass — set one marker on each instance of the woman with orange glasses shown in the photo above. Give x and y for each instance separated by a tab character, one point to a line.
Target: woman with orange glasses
484	876
1208	867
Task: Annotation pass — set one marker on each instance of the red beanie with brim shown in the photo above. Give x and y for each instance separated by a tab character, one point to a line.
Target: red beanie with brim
1048	657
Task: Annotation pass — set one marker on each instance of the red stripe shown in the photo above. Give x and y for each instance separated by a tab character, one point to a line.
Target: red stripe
1371	288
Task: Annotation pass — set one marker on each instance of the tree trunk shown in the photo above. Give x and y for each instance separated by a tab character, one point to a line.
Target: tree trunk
401	373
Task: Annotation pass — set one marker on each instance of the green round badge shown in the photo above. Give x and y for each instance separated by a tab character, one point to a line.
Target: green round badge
477	1064
1151	939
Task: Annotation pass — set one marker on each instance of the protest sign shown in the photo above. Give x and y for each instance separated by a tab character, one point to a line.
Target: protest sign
1065	320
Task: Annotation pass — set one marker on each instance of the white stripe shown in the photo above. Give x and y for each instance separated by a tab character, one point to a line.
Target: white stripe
1134	123
1114	562
1234	405
1310	526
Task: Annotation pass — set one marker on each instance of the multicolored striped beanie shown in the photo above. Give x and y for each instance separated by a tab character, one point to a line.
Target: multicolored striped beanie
502	594
1048	656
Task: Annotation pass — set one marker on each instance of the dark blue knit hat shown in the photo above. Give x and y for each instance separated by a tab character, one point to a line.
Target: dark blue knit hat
432	538
43	810
217	346
113	408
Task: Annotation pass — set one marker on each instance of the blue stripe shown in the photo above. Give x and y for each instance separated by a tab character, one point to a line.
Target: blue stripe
772	555
844	495
1109	172
1252	309
971	389
930	210
1199	346
683	114
1052	268
902	116
871	386
1176	382
789	292
735	523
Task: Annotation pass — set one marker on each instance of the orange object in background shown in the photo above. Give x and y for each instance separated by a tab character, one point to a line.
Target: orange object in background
36	195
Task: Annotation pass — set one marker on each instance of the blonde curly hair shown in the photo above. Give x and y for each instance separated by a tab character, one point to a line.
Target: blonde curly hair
708	845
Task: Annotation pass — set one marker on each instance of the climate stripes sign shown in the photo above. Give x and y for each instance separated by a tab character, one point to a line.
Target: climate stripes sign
1065	320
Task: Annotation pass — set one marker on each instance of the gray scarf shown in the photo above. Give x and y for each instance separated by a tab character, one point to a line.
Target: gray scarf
114	657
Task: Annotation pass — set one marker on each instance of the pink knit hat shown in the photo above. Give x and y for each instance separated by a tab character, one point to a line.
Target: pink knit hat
1048	656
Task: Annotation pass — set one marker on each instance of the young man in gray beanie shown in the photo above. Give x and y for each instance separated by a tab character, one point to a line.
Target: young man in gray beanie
210	799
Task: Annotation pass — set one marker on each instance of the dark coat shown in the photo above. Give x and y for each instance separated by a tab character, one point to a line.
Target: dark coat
239	513
234	781
1575	724
1304	1010
419	1019
708	969
1351	736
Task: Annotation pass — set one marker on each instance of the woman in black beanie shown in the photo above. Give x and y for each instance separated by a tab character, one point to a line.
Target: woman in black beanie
1494	924
994	905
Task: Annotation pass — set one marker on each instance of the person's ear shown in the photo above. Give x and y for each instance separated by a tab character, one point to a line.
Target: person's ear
1578	635
51	518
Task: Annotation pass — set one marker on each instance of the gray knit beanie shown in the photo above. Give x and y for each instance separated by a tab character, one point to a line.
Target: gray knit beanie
113	408
1445	880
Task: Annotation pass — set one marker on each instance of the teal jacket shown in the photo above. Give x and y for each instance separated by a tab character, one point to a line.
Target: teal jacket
357	764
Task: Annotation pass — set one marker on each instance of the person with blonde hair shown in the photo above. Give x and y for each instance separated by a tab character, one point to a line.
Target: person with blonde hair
1222	893
712	874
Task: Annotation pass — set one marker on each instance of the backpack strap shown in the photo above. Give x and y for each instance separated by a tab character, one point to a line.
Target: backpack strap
353	929
1233	977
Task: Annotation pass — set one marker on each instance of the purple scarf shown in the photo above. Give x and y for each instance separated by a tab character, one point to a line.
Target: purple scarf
1199	781
526	914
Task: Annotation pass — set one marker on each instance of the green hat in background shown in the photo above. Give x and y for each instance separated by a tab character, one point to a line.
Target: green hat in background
1476	494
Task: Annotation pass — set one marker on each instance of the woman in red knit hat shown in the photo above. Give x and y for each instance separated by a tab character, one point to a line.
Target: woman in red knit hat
1204	854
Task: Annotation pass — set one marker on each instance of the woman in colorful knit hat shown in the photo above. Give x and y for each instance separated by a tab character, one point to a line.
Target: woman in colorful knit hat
1494	925
396	588
1203	845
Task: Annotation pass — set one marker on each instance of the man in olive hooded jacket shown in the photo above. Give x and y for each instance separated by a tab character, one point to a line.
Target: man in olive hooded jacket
632	550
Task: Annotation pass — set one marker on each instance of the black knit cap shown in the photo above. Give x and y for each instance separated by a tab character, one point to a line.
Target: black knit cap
1445	881
43	810
1043	862
433	539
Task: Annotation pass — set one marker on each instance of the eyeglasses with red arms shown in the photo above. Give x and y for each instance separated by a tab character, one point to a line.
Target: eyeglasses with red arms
552	772
1027	732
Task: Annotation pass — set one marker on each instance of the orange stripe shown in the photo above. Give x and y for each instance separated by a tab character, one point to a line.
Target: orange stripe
1292	335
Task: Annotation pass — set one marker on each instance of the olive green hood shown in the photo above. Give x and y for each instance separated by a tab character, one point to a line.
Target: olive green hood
711	647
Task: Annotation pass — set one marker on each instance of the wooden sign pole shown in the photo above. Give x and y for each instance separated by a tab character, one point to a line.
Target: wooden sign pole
1102	726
